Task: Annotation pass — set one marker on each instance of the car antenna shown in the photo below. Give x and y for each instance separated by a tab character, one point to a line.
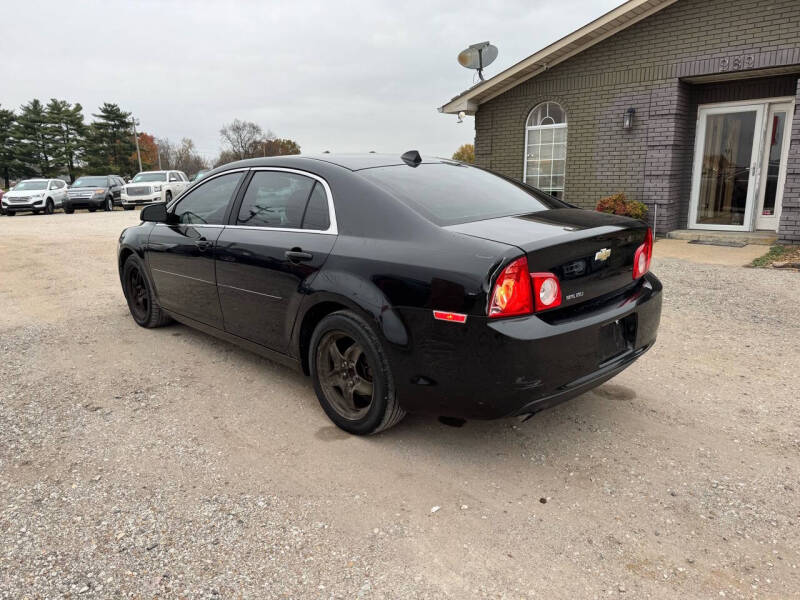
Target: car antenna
412	158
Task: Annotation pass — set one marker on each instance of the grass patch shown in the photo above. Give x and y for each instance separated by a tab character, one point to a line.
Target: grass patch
774	253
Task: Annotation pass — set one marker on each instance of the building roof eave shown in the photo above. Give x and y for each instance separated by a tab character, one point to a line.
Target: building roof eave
576	42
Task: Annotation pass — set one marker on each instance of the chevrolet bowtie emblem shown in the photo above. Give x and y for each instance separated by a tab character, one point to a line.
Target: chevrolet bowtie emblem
602	254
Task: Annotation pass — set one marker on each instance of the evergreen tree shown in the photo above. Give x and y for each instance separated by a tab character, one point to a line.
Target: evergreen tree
110	144
33	141
8	165
68	131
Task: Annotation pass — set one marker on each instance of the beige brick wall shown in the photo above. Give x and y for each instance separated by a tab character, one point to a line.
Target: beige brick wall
645	67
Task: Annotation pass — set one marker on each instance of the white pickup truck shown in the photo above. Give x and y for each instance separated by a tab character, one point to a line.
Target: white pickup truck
153	186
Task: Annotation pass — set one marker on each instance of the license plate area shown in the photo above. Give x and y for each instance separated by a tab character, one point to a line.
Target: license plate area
617	338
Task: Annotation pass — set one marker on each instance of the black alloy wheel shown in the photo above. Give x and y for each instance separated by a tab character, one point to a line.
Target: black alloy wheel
144	308
351	375
345	375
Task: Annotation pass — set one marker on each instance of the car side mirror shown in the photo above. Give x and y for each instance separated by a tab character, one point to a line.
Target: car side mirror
155	213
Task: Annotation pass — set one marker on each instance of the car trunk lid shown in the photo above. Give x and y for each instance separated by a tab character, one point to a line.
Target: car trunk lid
591	253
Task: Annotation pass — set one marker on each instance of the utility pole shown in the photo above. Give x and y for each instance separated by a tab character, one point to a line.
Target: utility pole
158	151
136	139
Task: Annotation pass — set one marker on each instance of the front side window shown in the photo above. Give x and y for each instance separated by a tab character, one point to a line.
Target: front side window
279	199
207	204
546	148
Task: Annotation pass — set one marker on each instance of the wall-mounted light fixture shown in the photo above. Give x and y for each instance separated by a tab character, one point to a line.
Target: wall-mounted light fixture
627	119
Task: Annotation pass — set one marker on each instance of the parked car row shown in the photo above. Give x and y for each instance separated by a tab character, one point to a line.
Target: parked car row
92	192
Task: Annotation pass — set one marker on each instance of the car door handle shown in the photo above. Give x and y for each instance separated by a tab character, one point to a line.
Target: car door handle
204	244
297	255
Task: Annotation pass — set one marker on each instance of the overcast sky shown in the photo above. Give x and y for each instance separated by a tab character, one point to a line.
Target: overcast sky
339	76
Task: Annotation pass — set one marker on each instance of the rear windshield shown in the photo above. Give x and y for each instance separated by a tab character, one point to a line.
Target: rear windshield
451	193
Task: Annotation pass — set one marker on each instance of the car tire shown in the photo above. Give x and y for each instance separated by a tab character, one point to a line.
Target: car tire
346	358
127	207
168	197
92	209
69	210
49	207
10	213
138	290
109	205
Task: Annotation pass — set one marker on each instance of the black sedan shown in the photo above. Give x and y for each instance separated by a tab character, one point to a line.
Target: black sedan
399	284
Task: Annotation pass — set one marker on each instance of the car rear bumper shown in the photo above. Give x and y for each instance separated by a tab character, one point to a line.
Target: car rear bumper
487	369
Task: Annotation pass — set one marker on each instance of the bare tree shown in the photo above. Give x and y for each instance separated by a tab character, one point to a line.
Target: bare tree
242	137
183	157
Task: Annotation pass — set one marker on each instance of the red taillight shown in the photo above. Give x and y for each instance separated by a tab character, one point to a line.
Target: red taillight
512	291
546	291
519	292
643	255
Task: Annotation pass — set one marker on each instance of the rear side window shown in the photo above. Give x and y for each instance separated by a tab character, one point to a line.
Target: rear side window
275	199
449	193
317	215
208	203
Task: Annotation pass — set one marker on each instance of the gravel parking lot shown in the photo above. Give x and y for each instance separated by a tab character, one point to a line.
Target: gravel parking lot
164	463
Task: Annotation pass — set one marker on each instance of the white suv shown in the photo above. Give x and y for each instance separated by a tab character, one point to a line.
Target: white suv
36	196
153	186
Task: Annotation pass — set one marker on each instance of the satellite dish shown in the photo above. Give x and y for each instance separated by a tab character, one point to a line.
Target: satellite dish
478	56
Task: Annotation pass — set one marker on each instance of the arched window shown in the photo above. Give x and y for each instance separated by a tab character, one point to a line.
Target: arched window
546	148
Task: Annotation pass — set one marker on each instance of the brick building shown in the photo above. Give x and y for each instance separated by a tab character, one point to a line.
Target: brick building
687	105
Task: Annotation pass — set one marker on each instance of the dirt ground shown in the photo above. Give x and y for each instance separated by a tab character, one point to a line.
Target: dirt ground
164	463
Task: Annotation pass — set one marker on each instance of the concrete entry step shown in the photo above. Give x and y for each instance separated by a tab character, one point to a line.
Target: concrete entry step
760	238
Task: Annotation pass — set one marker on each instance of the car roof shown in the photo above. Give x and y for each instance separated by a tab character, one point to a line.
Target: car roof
352	162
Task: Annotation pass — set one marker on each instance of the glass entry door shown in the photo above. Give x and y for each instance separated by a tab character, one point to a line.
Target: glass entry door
724	185
773	166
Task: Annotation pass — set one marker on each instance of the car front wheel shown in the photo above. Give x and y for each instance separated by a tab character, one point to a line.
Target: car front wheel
109	204
127	207
145	309
49	207
351	375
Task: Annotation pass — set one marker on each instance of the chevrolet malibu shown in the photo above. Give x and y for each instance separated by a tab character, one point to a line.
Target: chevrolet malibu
399	284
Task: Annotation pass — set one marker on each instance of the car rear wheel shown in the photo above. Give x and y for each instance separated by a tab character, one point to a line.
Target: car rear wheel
351	375
144	308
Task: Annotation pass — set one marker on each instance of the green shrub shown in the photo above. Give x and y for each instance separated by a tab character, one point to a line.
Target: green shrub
618	204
